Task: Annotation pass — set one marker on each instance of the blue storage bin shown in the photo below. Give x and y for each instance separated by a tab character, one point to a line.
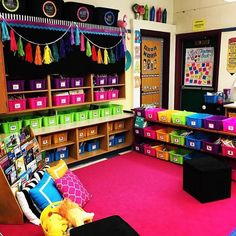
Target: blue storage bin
62	154
196	120
49	157
111	141
92	146
119	139
82	148
210	98
195	140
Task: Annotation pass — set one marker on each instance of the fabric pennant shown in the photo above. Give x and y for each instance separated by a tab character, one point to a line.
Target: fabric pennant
28	53
82	44
77	36
106	57
68	47
94	54
112	57
88	49
72	37
99	57
62	52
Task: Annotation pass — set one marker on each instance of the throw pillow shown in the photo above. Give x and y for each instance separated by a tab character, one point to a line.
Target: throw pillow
45	192
58	170
71	187
39	174
30	210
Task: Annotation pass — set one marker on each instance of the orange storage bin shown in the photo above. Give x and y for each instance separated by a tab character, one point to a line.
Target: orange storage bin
164	134
165	116
91	131
110	126
46	140
163	153
60	137
119	125
231	114
82	133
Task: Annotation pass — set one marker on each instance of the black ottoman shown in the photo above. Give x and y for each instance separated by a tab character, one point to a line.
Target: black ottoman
207	179
110	226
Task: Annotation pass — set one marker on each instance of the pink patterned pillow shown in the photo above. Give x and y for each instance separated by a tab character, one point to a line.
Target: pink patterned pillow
71	187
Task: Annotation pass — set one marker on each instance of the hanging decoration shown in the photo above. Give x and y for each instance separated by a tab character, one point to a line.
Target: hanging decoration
72	35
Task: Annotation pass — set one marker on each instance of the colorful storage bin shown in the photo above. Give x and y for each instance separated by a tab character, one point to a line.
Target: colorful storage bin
76	82
140	111
163	153
116	109
94	114
119	125
50	121
100	95
17	105
111	141
37	84
164	134
209	145
229	125
34	103
77	98
176	137
34	122
61	100
100	80
214	122
91	131
66	118
61	154
180	117
92	146
152	113
210	98
112	79
228	151
150	149
15	85
139	147
150	131
195	140
166	115
11	126
60	137
105	111
81	115
49	157
45	140
119	139
139	131
60	83
177	156
82	133
196	120
113	94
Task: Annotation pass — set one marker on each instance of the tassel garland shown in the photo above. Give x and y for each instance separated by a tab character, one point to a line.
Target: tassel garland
112	57
94	54
21	52
88	49
82	46
62	49
77	37
99	57
72	37
28	53
5	33
13	44
68	47
106	57
38	57
121	50
47	56
55	53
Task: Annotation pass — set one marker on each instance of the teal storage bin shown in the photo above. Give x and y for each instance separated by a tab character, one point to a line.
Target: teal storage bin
94	114
66	118
11	126
33	122
50	121
81	115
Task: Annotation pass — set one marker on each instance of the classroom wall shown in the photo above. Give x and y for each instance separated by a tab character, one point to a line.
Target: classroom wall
218	15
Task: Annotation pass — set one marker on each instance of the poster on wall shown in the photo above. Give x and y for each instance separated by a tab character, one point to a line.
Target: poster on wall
231	56
199	67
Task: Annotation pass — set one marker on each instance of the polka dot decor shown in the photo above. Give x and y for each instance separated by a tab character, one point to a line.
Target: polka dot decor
71	187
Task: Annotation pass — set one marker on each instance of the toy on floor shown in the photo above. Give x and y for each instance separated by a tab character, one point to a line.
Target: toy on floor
74	213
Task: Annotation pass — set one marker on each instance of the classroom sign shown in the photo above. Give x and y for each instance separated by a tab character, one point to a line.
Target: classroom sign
199	67
231	59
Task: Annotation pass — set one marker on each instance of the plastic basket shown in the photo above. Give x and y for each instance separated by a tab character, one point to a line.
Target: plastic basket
11	126
15	85
177	156
214	122
77	98
166	115
210	98
209	145
62	154
163	153
60	137
66	118
39	84
150	131
100	95
17	105
92	146
50	121
34	123
116	109
112	79
150	149
228	151
139	131
113	94
119	139
94	114
164	134
100	80
180	117
34	103
105	111
60	83
140	111
139	147
81	115
229	125
61	100
76	82
196	120
177	138
195	140
152	113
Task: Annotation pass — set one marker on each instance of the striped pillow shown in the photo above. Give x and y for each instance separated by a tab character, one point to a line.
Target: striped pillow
39	174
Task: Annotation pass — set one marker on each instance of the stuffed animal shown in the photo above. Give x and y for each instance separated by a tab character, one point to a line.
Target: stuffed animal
74	213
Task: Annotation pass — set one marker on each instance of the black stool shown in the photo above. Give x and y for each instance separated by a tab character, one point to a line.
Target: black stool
207	179
110	226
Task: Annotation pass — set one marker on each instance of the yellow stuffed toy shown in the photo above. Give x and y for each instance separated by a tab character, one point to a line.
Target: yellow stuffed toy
74	213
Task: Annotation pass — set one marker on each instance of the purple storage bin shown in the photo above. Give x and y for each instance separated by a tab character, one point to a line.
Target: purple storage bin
139	147
139	131
76	82
60	83
37	84
112	79
209	145
100	80
214	122
139	111
15	85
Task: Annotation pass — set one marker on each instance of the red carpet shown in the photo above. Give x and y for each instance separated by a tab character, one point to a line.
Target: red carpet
147	193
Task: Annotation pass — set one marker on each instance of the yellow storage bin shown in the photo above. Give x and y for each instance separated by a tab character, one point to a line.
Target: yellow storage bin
165	116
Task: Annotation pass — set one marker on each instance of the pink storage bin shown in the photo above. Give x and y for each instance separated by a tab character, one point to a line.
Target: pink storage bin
15	85
233	175
77	98
40	102
229	125
100	95
228	151
61	100
113	94
17	105
152	113
150	131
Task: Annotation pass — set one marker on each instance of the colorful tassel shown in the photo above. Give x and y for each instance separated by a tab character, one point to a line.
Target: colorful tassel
68	47
38	57
5	33
77	36
28	53
13	44
21	52
88	49
55	53
112	57
82	46
99	57
124	43
106	57
62	52
117	53
94	54
72	37
47	56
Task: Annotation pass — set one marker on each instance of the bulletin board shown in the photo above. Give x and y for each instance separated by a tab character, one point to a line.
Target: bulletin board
198	70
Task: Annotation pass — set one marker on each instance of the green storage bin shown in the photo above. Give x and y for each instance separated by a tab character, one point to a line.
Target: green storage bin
177	156
117	109
177	138
94	114
50	121
180	117
81	115
66	118
34	122
105	111
11	126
